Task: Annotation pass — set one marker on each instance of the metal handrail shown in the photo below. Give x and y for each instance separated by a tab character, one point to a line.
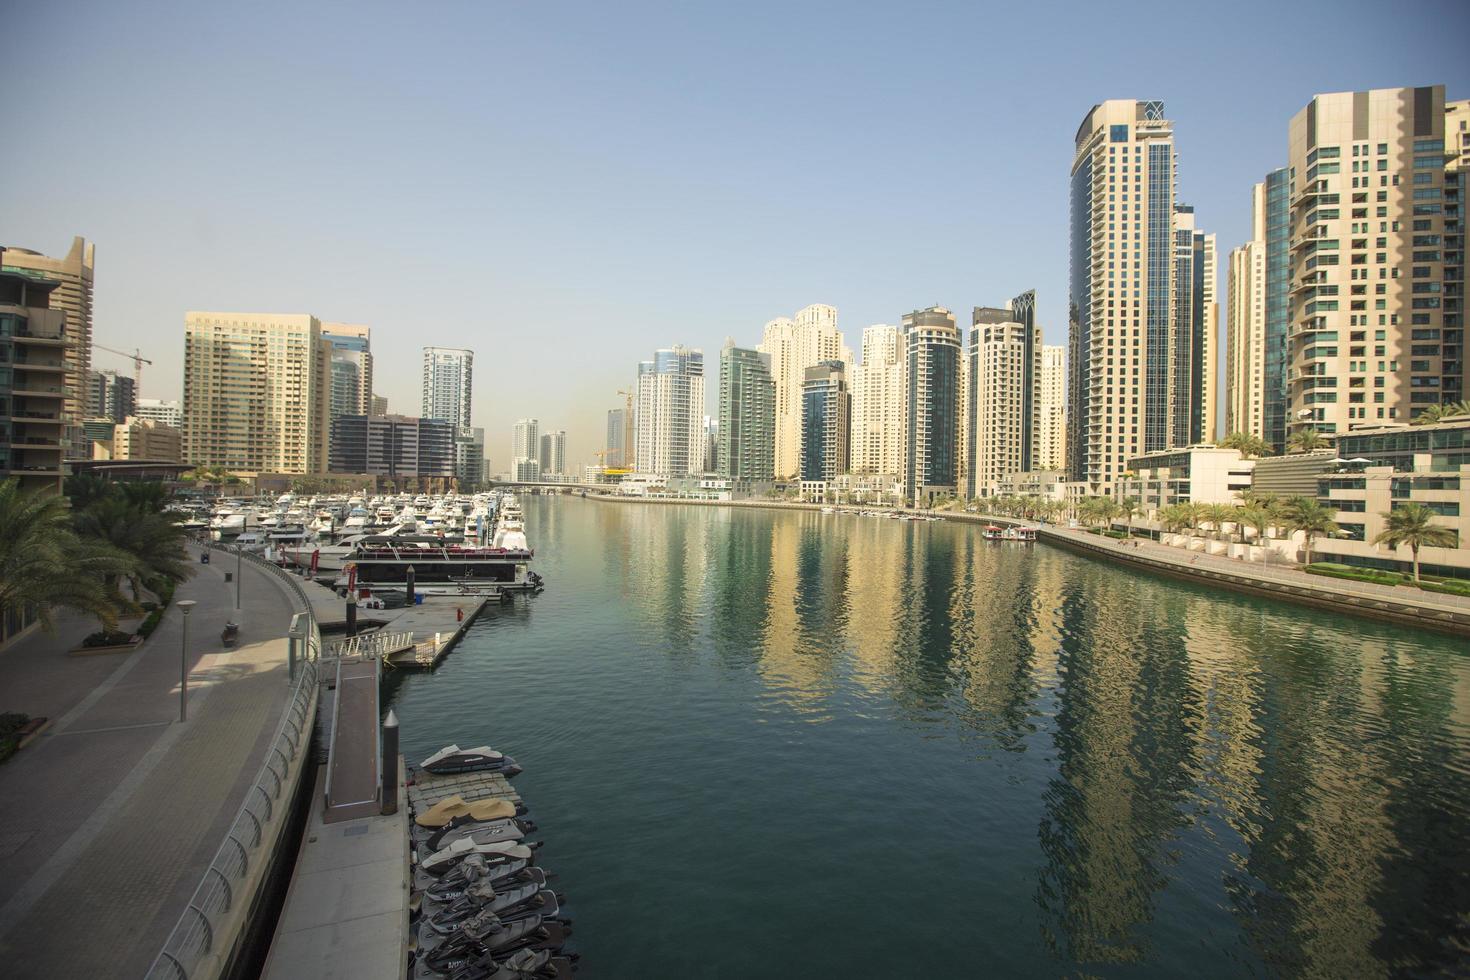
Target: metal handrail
195	935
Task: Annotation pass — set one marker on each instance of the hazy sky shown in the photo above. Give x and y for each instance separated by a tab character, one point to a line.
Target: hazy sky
564	187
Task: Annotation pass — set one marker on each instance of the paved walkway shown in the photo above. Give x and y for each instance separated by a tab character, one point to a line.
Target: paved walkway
108	820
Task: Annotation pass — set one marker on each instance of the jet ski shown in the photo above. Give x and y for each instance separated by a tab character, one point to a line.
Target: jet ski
482	833
453	759
442	860
525	964
441	896
485	935
507	907
426	836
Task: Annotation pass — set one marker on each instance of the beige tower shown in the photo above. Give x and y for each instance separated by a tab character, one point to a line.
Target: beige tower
795	345
994	399
1051	428
256	392
73	296
1245	328
877	403
1373	336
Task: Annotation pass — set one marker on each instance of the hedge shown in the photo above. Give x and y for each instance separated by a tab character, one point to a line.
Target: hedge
1448	586
1332	570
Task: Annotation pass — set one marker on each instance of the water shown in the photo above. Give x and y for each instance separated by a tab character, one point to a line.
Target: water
763	743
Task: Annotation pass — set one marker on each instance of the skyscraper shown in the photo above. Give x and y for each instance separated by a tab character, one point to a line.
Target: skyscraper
1245	328
525	443
1195	323
352	368
73	297
747	419
615	455
998	401
1456	384
256	392
1374	336
1051	430
552	453
111	395
33	341
932	353
826	413
670	436
1127	346
878	403
795	345
448	372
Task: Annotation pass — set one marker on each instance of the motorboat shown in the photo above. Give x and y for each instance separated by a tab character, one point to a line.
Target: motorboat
452	759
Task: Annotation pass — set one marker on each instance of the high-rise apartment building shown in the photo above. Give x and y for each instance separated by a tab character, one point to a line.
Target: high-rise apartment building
1051	396
469	457
110	395
670	422
394	446
256	392
448	373
998	400
352	368
795	345
826	414
137	438
169	412
379	405
1141	294
1196	323
1245	328
72	295
878	403
932	354
525	441
1376	303
615	455
34	384
1456	385
552	453
747	419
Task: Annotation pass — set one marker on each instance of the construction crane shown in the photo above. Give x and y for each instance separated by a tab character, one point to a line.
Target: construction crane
628	453
138	361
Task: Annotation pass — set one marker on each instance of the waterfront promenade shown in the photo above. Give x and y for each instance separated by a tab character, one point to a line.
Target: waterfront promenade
109	819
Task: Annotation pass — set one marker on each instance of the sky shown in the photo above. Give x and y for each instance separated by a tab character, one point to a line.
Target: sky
565	186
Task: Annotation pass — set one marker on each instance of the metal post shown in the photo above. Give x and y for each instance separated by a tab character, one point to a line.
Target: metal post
390	763
351	614
186	606
409	576
238	559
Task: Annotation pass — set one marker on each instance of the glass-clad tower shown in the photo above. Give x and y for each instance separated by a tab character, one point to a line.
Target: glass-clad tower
826	413
932	351
747	421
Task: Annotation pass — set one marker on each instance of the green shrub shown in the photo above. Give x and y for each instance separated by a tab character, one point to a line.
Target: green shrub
1449	586
1333	570
149	624
107	638
11	721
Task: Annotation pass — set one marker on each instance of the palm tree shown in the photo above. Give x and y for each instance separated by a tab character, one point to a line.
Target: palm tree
45	566
1257	519
1412	524
1435	413
152	542
1309	516
1306	441
1189	515
85	489
1248	444
1217	515
1128	508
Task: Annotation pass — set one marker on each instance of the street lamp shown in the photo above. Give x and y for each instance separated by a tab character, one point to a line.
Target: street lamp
238	552
187	606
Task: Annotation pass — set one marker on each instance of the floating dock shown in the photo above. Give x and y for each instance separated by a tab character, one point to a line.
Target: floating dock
425	788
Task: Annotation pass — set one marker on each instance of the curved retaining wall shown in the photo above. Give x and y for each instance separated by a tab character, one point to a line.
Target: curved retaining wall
1404	612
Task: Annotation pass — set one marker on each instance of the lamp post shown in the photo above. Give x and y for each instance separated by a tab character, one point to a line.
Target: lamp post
186	606
238	553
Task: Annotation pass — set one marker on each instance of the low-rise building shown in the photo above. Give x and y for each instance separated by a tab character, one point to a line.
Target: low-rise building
395	446
1384	467
1291	476
1200	474
1049	484
137	438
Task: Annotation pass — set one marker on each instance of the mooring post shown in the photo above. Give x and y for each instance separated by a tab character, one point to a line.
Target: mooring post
409	577
390	763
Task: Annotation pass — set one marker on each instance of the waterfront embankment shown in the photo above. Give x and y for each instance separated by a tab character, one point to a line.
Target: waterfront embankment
1401	605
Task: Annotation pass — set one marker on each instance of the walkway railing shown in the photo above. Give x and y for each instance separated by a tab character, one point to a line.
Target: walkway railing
370	645
214	916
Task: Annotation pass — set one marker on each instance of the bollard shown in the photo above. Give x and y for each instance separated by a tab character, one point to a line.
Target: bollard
351	615
409	577
390	763
295	644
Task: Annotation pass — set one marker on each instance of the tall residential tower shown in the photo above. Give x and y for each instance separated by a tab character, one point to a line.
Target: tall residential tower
670	425
448	376
747	420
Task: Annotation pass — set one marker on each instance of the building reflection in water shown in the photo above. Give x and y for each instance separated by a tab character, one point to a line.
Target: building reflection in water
1292	767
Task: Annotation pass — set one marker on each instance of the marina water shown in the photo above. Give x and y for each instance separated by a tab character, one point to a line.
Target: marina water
763	743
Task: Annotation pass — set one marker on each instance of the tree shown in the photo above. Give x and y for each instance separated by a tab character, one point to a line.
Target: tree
1189	515
85	489
45	565
1248	444
151	542
1412	524
1257	519
1436	413
1217	516
1309	516
1128	508
1306	441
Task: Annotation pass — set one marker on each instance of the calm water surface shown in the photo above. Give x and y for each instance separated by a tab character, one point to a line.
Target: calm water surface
762	743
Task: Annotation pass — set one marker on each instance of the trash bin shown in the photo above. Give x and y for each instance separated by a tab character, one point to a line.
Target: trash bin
418	598
229	576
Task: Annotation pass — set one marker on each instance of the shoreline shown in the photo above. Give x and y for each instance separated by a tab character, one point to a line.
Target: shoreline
1414	608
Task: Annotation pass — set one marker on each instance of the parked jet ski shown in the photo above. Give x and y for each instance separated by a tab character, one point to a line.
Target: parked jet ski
526	964
507	907
441	896
429	836
452	759
482	833
455	809
485	935
442	860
